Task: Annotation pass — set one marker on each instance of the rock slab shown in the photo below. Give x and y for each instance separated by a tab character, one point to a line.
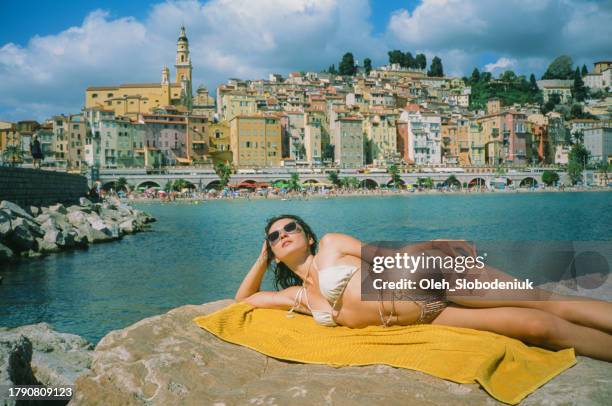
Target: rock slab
169	360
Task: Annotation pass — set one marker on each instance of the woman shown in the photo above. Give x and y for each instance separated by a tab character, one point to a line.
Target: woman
319	279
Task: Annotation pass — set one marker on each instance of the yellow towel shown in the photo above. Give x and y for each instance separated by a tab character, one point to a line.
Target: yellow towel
505	367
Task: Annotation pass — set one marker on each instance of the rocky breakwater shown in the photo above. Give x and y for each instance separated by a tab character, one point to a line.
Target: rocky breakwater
38	355
34	231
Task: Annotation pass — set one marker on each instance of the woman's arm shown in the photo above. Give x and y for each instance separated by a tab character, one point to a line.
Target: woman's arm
283	299
252	280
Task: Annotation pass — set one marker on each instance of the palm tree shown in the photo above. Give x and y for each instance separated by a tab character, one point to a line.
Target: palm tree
603	167
395	176
334	178
294	182
180	184
224	172
353	182
452	180
12	155
121	183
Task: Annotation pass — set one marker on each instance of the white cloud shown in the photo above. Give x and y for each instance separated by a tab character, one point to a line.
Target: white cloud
528	32
237	38
251	38
501	64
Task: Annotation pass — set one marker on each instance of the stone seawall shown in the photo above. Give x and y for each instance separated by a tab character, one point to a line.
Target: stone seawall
33	187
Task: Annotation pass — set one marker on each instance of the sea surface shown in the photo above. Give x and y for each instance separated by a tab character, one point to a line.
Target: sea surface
197	253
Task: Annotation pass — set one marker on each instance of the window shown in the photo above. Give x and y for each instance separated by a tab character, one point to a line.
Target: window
109	95
94	95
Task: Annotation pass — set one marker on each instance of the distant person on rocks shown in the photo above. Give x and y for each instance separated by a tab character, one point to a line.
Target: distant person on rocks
36	151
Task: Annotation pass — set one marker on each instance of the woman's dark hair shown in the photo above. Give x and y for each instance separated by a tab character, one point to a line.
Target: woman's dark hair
283	276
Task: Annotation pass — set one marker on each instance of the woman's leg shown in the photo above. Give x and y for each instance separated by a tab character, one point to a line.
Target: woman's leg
581	310
532	326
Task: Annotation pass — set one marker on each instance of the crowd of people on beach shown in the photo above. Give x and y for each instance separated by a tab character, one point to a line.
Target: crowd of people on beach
157	195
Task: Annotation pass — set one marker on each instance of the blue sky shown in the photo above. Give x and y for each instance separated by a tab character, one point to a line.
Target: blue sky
51	51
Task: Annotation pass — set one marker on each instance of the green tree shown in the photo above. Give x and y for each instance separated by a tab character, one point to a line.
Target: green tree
367	65
367	150
332	69
452	180
533	83
603	167
553	100
578	90
334	178
12	155
436	69
224	172
347	65
121	184
408	60
328	152
508	76
550	177
180	184
169	186
585	71
396	56
421	61
574	171
560	68
577	160
294	182
475	78
579	154
394	172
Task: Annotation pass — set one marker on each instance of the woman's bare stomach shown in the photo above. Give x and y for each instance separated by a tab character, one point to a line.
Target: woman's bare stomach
356	313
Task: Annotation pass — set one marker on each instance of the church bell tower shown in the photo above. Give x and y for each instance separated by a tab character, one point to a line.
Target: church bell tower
183	65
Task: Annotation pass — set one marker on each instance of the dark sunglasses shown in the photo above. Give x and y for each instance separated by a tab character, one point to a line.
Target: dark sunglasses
290	228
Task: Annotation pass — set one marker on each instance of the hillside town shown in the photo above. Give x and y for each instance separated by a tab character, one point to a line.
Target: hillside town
358	117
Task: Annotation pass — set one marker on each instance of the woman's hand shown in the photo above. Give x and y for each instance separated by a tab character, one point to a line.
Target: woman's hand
263	255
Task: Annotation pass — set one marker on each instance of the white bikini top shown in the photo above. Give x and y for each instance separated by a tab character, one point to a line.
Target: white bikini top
332	282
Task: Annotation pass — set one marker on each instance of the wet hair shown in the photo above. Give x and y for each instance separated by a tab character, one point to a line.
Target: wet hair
283	276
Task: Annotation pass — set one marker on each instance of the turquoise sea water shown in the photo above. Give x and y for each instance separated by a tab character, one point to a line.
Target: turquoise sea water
200	253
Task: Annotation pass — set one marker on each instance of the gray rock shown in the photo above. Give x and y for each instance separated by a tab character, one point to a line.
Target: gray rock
70	238
58	220
58	208
95	230
35	211
20	238
42	218
167	360
18	211
15	358
5	253
54	236
46	246
128	226
85	202
57	358
76	217
5	223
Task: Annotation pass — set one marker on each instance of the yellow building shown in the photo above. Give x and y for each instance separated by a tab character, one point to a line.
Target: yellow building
237	103
133	99
219	148
255	141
